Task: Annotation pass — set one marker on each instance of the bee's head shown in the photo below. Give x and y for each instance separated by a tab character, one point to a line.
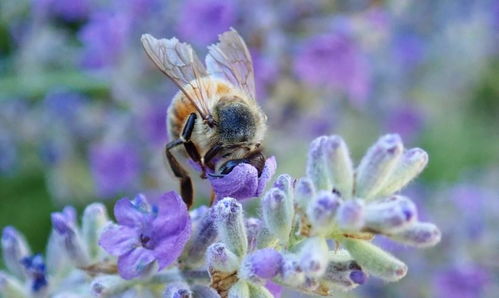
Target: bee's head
236	122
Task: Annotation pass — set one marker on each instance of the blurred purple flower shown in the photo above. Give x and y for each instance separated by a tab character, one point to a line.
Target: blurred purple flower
66	9
463	282
115	168
335	60
104	38
408	49
65	106
243	181
201	21
265	73
145	234
405	120
153	124
136	9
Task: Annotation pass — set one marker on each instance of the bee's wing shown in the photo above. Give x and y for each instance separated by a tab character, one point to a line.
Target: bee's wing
179	62
231	60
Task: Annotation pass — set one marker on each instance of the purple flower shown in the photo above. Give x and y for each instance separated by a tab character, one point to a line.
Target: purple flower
146	234
265	73
153	124
335	60
66	9
37	272
405	120
265	263
115	168
104	38
274	288
202	20
243	181
464	282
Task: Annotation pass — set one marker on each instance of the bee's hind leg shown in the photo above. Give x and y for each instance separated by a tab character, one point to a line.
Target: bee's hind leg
186	189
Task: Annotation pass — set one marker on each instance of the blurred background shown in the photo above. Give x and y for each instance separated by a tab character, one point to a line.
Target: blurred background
82	110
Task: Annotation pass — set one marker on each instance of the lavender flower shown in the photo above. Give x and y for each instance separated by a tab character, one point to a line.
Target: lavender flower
68	10
462	282
146	234
104	38
36	270
202	20
115	168
335	60
243	181
14	249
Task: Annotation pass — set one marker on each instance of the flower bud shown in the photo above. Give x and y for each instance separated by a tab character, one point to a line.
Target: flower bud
285	183
204	233
390	215
317	167
376	261
220	258
200	291
230	225
377	166
350	215
278	213
419	234
410	165
72	242
260	265
321	211
94	220
343	272
109	285
11	287
14	248
265	238
239	290
314	256
291	272
58	263
177	290
304	192
253	229
339	165
259	291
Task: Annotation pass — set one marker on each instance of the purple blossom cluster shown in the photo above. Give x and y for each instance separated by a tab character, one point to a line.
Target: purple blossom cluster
77	109
313	236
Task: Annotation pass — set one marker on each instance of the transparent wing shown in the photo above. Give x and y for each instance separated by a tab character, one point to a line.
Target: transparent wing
231	60
179	62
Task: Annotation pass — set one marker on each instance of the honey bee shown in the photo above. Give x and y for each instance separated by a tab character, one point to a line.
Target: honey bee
214	117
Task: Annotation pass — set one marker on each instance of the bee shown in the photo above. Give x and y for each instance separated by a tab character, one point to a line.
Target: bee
214	117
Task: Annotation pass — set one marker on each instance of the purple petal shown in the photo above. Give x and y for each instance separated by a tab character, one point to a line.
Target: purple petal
274	288
119	240
267	173
129	214
171	229
266	262
133	263
169	249
241	183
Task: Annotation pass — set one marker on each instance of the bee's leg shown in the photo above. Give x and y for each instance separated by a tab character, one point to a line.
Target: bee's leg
190	148
210	154
186	190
